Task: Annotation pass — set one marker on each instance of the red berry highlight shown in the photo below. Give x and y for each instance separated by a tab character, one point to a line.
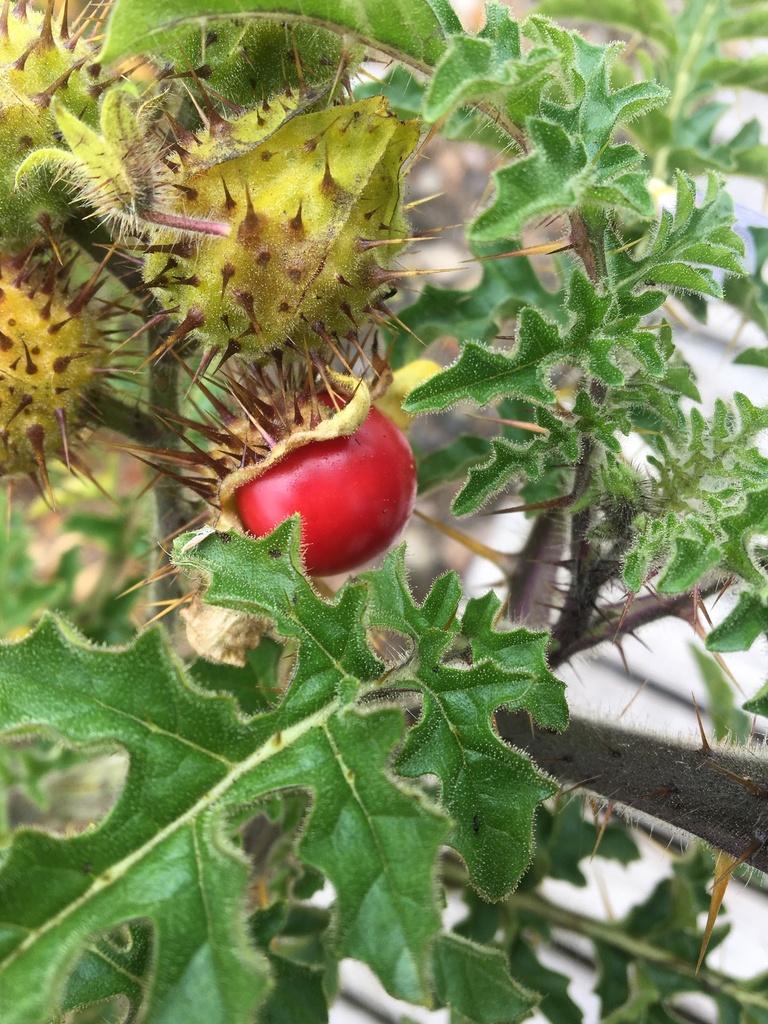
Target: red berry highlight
354	494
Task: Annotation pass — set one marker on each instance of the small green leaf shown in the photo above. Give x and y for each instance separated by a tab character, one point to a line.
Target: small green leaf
687	245
550	180
474	981
741	73
489	67
481	375
758	705
555	1003
298	996
726	718
742	626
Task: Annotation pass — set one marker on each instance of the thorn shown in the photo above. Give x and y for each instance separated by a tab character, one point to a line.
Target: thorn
364	244
229	202
752	787
534	506
561	245
64	24
719	887
327	185
633	698
195	318
249	230
45	39
23	403
43	99
296	223
61	419
534	428
36	438
426	199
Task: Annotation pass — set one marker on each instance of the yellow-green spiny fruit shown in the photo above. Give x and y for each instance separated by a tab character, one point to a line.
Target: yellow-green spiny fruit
307	214
39	61
51	342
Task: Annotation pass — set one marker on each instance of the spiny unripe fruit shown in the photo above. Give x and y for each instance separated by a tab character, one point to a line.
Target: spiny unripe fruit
306	212
37	63
49	347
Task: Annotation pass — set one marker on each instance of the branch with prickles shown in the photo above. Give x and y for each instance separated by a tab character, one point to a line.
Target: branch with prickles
718	794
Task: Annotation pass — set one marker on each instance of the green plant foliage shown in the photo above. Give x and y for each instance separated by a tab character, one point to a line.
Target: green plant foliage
354	740
475	982
454	739
142	699
412	31
728	721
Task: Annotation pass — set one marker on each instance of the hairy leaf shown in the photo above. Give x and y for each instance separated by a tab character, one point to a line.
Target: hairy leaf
489	67
473	980
687	245
164	853
466	669
408	29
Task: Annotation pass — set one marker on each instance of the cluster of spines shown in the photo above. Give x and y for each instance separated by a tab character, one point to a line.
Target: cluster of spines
39	61
281	270
51	346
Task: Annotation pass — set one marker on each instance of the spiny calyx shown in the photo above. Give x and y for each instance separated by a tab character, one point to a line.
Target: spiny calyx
311	207
40	64
50	344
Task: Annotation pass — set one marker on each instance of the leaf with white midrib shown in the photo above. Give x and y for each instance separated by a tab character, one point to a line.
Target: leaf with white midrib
164	853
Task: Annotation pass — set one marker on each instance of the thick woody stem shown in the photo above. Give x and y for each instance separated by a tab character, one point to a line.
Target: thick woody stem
719	794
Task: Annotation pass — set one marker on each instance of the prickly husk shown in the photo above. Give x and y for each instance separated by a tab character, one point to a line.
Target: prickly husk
310	202
50	344
38	61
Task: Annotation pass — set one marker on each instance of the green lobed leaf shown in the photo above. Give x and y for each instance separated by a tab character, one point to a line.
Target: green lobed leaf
474	981
482	375
509	460
742	626
489	67
687	245
112	965
410	30
164	854
551	179
161	853
556	1005
465	670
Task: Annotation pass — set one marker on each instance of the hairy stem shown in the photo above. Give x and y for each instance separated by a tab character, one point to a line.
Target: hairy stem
619	620
531	582
718	794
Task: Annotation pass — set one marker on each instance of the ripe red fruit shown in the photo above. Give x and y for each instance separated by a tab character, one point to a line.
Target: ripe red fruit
355	494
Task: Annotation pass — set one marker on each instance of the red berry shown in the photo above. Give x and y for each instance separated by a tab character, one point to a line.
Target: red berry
355	494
